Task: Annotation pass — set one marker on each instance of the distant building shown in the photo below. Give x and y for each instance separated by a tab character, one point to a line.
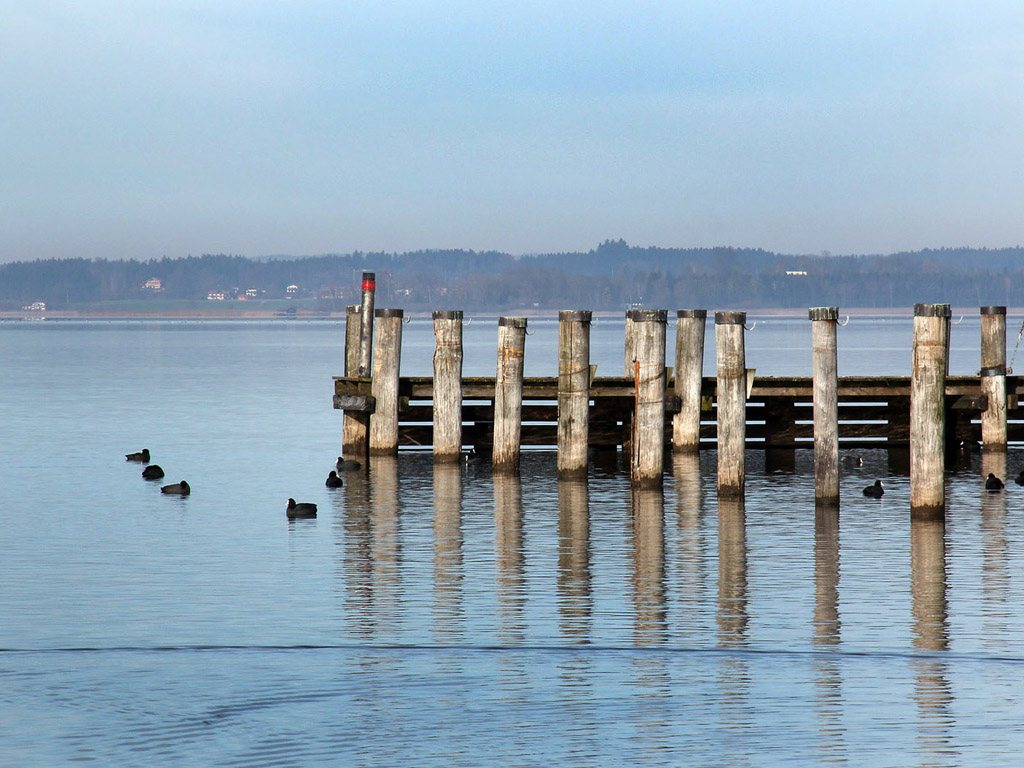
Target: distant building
153	284
252	293
35	306
796	273
216	296
291	290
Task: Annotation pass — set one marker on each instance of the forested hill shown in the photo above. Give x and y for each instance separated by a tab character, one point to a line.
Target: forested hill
612	276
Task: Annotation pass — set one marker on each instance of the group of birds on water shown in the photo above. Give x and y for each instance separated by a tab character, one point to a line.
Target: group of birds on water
294	510
876	490
306	509
156	472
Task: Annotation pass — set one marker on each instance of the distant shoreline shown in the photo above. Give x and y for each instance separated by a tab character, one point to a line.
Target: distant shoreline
238	314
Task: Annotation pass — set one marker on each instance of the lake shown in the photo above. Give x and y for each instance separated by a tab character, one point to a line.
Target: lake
437	616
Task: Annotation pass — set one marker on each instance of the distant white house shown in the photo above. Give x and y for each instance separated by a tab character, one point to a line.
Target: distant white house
153	284
796	273
291	290
216	296
35	306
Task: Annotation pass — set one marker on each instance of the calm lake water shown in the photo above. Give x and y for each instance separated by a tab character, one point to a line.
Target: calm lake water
442	617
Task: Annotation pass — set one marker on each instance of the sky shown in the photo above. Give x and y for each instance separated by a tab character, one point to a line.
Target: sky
149	128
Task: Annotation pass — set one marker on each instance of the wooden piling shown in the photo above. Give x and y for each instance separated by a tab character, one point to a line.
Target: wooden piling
647	458
573	391
387	356
448	386
732	402
689	372
366	324
993	377
826	404
629	338
355	431
508	394
928	412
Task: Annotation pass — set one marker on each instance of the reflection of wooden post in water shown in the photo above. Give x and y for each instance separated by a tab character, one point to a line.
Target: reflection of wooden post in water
574	594
573	392
649	565
508	394
689	375
357	557
689	511
508	540
355	424
385	554
928	411
993	378
826	404
732	573
828	683
447	549
932	690
996	553
387	358
647	458
732	401
448	386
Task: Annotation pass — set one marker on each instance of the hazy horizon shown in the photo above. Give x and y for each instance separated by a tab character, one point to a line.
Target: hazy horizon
177	128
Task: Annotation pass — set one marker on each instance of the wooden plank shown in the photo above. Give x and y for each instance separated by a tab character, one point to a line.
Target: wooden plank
361	403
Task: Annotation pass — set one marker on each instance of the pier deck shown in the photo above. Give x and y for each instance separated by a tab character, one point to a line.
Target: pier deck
874	411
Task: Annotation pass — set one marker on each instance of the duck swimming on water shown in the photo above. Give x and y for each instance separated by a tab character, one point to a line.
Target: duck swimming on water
993	483
333	481
142	456
153	472
176	489
296	511
348	465
874	491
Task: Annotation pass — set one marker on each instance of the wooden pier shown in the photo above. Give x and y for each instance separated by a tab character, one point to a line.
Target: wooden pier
647	411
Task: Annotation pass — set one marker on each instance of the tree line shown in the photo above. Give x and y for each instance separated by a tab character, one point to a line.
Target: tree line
611	276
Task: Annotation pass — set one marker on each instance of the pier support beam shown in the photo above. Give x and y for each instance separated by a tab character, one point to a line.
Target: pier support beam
355	431
928	412
689	372
826	404
508	394
573	391
732	402
993	377
448	386
366	324
387	356
647	458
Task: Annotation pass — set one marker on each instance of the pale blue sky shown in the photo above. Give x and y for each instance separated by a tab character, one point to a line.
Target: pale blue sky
142	128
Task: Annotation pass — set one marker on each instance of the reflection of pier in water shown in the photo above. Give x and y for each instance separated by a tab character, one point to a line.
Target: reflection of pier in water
508	553
575	601
447	551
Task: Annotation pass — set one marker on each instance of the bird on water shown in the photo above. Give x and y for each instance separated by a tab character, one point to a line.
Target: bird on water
348	465
142	456
177	489
153	472
993	483
333	481
874	491
1019	480
303	509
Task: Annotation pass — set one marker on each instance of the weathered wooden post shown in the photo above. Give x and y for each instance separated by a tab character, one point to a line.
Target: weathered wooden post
689	372
573	391
508	394
355	431
928	412
629	338
448	385
647	458
732	402
387	356
824	321
993	377
366	324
